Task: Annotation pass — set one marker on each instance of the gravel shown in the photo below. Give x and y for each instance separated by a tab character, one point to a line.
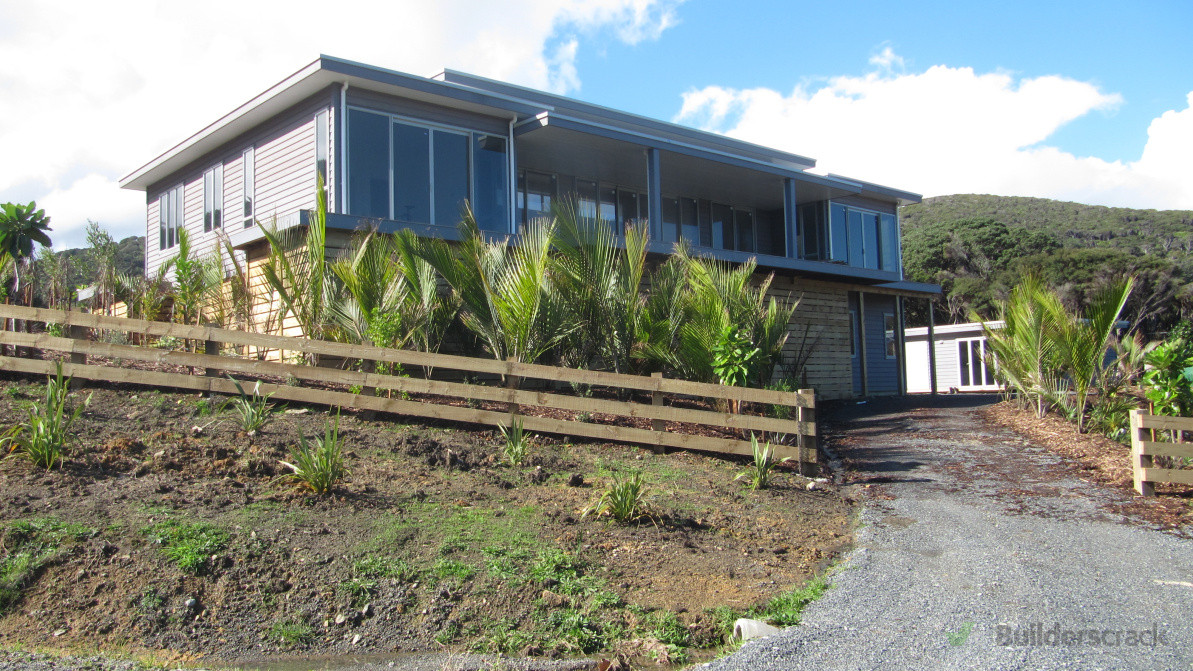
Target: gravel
969	532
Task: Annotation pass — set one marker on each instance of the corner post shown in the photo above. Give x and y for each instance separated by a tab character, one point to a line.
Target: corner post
806	415
1139	460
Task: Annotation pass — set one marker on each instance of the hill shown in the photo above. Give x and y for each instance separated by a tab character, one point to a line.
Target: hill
978	246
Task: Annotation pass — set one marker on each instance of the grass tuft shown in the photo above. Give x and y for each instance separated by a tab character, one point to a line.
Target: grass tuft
188	545
43	435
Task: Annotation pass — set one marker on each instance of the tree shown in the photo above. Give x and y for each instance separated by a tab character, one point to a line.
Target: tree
20	227
101	253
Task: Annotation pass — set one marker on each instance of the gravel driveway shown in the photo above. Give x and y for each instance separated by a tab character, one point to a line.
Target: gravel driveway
977	550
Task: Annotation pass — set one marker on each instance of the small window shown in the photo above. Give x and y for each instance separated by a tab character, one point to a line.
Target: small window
169	217
213	198
889	331
853	345
322	149
248	162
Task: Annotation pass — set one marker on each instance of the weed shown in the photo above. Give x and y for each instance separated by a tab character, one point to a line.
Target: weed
579	631
505	564
17	571
784	610
958	638
665	627
14	392
624	499
31	544
292	632
189	545
169	342
585	417
781	411
449	633
319	464
445	569
254	410
150	601
516	445
207	407
503	637
42	437
759	473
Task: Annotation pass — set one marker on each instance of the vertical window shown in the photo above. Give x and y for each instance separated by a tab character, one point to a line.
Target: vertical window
321	149
169	217
722	226
963	363
889	234
490	182
813	231
627	208
744	223
249	164
213	198
368	164
705	223
450	185
689	220
856	225
670	220
607	207
853	334
891	342
586	198
871	248
411	174
838	234
539	195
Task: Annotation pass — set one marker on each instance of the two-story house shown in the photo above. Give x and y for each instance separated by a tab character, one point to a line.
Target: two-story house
409	151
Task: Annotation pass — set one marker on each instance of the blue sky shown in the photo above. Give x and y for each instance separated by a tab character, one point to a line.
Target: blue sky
1083	101
1143	51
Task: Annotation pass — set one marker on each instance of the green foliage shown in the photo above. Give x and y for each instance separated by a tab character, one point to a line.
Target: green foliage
194	279
298	271
1168	382
624	499
517	443
368	571
580	632
1077	248
453	569
761	469
785	609
506	291
188	545
42	437
319	463
292	631
30	545
734	357
255	411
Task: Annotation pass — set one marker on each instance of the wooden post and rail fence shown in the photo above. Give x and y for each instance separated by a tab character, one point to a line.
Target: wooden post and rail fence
216	362
1145	448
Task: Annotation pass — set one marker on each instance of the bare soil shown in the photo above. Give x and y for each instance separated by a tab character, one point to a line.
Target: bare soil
434	497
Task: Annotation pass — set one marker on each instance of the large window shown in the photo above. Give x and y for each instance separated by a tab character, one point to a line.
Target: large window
213	198
862	238
423	174
249	164
169	217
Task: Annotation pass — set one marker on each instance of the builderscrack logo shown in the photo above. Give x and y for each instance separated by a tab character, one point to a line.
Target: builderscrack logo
1039	634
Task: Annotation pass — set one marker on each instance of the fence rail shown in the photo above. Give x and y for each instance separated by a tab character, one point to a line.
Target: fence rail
1144	449
214	364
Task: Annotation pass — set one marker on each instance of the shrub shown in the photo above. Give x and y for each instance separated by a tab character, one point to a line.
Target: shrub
42	436
254	410
624	499
785	609
319	463
760	471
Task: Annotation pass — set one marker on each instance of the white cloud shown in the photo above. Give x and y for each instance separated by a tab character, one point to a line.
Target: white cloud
93	90
951	130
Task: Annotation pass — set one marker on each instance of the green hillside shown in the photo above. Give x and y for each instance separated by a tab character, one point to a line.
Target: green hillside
977	247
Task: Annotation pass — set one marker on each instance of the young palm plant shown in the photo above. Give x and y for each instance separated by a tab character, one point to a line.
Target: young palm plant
318	464
42	437
297	270
761	470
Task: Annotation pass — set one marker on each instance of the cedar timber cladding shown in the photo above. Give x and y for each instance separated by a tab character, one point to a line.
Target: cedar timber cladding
820	322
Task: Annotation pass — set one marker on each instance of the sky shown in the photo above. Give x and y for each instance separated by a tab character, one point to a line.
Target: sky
1080	101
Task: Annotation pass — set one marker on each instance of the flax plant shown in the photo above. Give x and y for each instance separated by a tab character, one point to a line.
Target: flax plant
43	435
318	464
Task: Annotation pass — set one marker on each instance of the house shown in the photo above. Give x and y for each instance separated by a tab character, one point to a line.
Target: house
958	359
402	151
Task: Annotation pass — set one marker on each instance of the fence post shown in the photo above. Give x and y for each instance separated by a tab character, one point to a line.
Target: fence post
211	348
76	358
656	399
1139	460
512	382
805	413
